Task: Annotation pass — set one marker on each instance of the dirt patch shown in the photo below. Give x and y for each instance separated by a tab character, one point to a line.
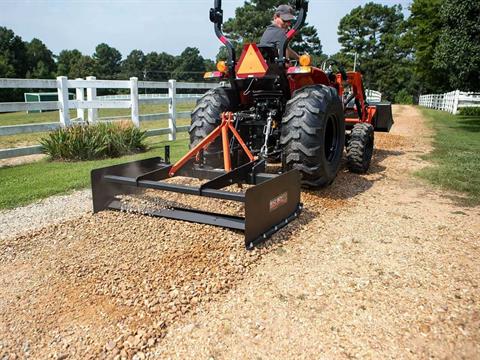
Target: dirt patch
378	265
21	160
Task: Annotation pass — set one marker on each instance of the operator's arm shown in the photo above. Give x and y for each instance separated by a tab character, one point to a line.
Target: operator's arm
273	36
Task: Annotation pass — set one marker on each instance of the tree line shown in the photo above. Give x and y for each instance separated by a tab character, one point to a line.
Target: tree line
33	59
435	49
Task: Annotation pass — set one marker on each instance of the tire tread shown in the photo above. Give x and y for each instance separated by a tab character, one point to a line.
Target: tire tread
360	148
302	131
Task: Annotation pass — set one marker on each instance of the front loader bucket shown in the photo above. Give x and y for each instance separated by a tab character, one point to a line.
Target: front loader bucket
383	116
270	204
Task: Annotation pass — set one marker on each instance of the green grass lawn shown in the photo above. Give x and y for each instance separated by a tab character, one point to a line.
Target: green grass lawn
456	154
23	184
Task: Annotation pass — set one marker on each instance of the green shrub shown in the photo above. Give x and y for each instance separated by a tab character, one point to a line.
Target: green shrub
403	97
89	142
469	111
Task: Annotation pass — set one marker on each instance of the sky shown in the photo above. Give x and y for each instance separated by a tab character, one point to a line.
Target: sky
148	25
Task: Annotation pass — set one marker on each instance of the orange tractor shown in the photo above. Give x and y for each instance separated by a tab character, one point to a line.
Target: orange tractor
295	115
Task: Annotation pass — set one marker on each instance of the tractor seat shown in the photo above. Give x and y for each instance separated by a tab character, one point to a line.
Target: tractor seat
269	53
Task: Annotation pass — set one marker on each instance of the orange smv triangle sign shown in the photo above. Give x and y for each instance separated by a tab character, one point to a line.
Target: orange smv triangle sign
251	63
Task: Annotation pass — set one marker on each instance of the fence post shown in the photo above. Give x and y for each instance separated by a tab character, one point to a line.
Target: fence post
80	95
134	101
92	95
172	109
455	102
62	90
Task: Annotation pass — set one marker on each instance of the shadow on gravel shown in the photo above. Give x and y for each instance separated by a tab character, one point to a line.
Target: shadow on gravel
348	185
462	201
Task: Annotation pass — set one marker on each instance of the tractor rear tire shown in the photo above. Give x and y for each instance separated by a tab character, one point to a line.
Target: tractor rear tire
205	118
360	148
313	135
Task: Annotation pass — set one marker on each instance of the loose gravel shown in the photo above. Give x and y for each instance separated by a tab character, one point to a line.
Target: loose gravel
152	200
52	210
379	265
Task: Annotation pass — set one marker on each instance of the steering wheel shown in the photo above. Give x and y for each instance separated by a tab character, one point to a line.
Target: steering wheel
332	62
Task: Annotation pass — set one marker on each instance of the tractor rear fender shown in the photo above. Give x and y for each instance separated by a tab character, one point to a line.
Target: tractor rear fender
315	77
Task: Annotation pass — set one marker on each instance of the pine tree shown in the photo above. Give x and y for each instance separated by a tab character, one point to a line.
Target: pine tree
376	33
458	49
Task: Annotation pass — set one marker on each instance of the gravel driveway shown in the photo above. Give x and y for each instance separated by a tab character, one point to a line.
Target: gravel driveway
377	266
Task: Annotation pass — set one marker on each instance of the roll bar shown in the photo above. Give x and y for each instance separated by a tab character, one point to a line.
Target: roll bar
216	17
302	7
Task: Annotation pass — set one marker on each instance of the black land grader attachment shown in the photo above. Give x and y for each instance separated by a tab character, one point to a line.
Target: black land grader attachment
272	203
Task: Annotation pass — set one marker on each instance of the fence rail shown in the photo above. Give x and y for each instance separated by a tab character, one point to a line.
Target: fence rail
373	95
451	101
91	102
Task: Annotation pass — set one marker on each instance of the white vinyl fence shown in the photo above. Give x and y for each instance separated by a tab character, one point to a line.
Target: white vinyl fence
93	102
451	101
87	106
373	95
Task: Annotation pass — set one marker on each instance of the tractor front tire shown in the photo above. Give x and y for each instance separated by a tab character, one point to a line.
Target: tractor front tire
313	135
205	118
360	148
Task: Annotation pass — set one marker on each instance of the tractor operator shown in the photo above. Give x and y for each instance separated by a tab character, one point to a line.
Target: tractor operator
276	31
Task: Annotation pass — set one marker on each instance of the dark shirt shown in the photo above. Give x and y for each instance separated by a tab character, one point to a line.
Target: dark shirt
272	36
